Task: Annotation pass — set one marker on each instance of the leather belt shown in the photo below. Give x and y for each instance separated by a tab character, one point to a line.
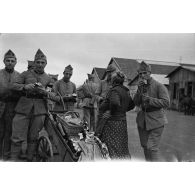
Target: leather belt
150	109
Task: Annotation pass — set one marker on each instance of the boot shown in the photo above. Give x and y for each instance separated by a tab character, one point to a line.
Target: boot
31	151
15	151
147	154
154	155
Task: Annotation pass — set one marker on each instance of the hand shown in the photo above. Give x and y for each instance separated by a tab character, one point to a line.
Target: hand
29	86
142	82
106	115
145	99
42	91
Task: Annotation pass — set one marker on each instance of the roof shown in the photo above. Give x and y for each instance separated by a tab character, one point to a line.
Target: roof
127	66
161	78
156	62
100	72
190	67
130	66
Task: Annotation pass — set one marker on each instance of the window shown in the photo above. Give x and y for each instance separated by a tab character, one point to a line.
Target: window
189	89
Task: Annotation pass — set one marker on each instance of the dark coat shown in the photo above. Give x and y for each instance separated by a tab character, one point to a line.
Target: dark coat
118	101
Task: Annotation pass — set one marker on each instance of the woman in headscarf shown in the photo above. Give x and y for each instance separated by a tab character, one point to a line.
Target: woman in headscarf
115	106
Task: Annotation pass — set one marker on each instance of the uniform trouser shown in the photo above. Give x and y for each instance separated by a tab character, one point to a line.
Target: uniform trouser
25	129
6	130
150	141
88	116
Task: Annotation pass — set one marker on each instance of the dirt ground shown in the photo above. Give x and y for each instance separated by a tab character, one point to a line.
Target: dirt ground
178	139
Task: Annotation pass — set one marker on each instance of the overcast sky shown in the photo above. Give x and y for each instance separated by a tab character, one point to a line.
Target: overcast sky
85	51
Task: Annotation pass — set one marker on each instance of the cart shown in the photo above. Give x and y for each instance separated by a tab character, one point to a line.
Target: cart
65	138
57	138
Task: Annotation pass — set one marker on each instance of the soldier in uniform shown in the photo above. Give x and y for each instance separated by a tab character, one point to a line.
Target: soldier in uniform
105	85
8	102
102	91
66	89
152	97
31	108
89	89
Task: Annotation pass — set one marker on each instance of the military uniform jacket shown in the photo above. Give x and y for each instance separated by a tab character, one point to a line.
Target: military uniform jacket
6	80
27	105
153	116
89	90
64	89
103	89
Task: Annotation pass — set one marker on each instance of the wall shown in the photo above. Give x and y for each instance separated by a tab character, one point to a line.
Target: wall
181	78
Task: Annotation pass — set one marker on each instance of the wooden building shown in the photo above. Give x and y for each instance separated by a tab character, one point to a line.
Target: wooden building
182	82
98	74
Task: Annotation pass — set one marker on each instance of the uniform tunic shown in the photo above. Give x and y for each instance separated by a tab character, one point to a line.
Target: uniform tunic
64	89
151	119
89	108
7	107
30	113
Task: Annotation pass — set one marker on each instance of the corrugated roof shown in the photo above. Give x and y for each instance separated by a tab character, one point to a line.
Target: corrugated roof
161	78
130	66
100	72
159	62
190	67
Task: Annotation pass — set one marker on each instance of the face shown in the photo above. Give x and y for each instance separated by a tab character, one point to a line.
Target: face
67	75
10	63
40	64
144	75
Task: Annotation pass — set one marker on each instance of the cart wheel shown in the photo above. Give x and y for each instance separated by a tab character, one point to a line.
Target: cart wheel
44	149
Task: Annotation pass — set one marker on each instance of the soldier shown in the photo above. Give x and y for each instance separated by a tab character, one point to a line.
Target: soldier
66	89
31	108
7	76
102	91
89	89
152	97
105	85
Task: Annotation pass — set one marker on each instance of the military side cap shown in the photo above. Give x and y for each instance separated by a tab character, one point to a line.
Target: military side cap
69	68
144	67
9	54
40	55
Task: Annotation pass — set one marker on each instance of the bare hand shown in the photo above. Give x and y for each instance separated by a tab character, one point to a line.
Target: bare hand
29	86
142	82
145	99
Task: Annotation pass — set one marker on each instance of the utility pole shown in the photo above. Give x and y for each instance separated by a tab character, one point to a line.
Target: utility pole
180	59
